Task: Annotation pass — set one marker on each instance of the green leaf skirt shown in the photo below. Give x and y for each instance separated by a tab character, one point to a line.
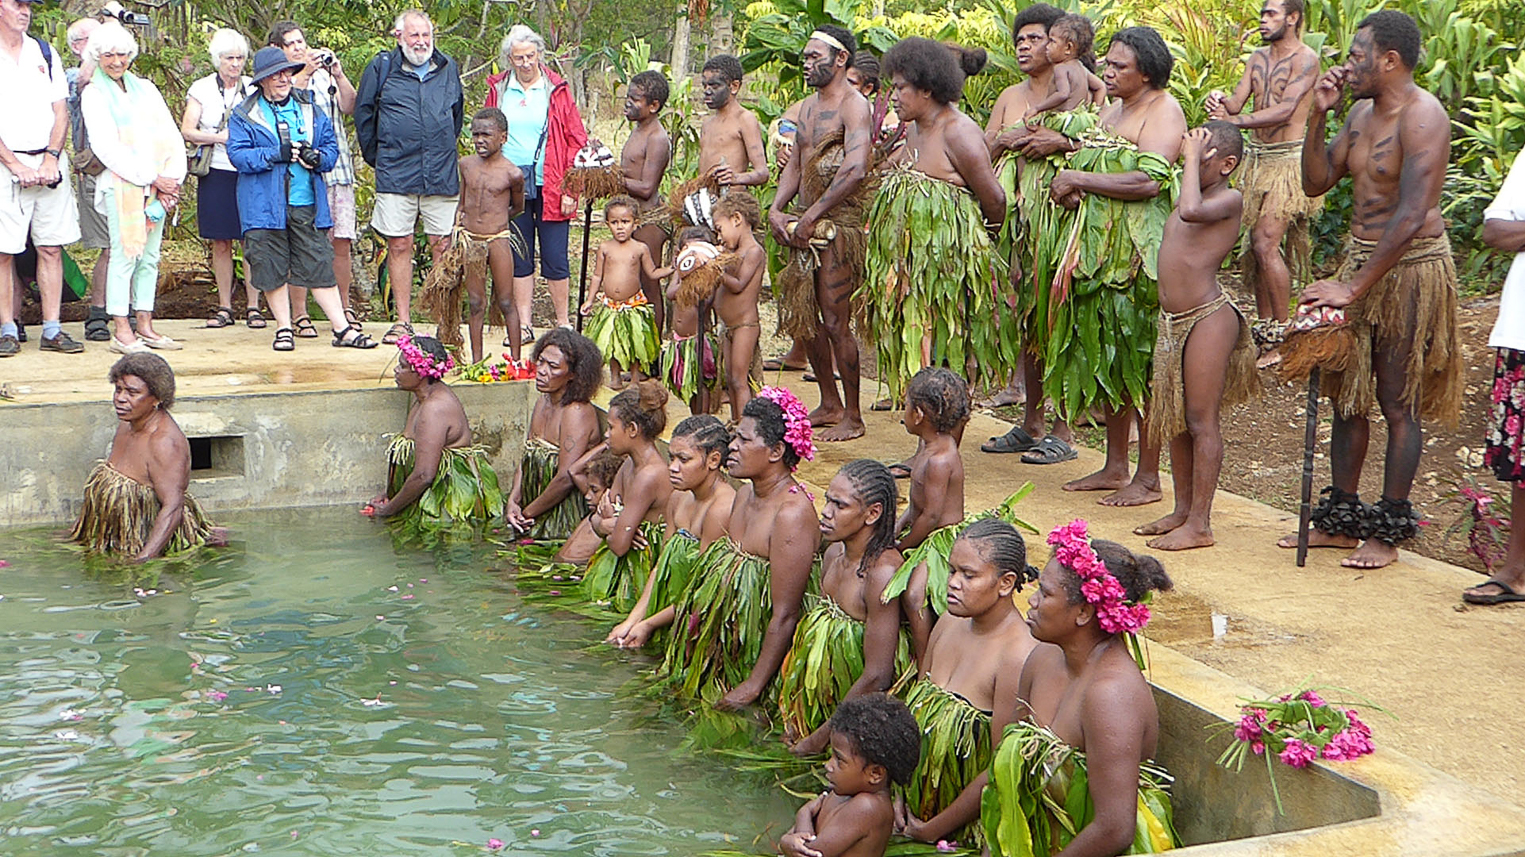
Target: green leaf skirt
824	662
464	491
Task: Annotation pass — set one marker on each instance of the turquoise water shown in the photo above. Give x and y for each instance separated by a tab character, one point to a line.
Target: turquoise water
357	719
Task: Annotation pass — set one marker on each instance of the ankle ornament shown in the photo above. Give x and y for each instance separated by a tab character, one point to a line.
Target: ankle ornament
1341	513
1393	521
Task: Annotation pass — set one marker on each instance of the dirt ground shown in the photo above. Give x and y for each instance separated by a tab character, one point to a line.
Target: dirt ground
1263	439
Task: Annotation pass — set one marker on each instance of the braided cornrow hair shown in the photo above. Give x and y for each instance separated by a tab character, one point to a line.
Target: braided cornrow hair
706	432
1002	546
874	483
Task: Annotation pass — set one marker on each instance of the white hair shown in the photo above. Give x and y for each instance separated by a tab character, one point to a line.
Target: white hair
411	13
111	38
226	41
83	27
519	34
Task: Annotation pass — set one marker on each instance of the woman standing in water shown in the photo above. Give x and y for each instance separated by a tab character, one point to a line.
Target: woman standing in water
546	501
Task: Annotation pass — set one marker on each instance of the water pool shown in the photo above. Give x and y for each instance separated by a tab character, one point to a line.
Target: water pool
358	718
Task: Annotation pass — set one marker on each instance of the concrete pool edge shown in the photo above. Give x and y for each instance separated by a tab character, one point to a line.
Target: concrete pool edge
1422	810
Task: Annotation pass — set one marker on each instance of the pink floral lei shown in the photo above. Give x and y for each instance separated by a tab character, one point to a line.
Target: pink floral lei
421	362
797	431
1072	547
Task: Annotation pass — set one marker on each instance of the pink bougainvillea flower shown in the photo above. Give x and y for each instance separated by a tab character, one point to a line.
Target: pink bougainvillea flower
946	845
494	845
535	831
1298	753
216	695
407	598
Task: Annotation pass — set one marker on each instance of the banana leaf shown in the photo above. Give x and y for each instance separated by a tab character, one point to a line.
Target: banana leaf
824	662
627	334
615	582
464	494
955	748
541	460
934	552
1038	798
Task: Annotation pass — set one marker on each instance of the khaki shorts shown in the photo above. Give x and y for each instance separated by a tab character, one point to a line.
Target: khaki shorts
92	223
49	214
395	214
341	207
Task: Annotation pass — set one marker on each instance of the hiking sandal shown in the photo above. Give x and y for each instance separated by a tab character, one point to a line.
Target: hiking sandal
253	319
284	340
305	328
396	332
222	318
359	340
352	318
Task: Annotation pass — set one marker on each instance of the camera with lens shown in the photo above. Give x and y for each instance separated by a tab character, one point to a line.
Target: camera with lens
307	156
129	19
326	58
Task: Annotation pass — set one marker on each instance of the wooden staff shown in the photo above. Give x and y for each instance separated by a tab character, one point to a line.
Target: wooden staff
582	274
1310	439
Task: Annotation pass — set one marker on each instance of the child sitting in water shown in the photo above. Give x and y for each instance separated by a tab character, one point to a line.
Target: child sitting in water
688	358
598	467
623	325
698	513
1070	41
628	516
874	741
1204	356
737	218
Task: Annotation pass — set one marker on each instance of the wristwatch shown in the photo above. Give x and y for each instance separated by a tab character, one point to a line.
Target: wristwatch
56	153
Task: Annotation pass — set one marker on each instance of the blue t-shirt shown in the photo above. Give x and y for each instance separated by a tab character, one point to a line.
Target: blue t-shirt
526	110
299	187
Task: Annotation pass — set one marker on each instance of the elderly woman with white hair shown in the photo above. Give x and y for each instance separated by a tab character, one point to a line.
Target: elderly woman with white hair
208	104
544	133
133	134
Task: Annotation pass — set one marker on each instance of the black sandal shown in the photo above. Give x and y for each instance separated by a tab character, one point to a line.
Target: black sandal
284	340
253	319
222	318
305	328
396	332
352	318
359	340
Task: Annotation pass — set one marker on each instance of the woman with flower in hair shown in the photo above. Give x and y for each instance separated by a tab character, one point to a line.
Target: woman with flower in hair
435	476
736	620
698	512
1091	725
629	516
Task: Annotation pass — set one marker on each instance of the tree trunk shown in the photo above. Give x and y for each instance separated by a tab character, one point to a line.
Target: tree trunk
680	37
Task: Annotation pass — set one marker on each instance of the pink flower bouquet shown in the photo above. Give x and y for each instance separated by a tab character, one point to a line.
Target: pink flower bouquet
1298	728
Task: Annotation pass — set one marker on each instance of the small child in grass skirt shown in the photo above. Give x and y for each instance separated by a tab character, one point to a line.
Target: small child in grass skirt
690	359
623	323
625	333
117	516
1038	797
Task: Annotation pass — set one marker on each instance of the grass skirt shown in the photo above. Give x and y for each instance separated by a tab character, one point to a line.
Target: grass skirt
616	582
626	332
721	619
1092	276
1413	306
955	748
932	268
1038	798
538	467
1271	179
464	491
674	569
684	371
824	662
117	516
441	295
935	549
1167	403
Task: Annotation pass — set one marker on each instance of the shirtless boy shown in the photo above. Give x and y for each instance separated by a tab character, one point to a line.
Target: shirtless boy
730	137
1189	380
736	218
1398	281
1070	50
874	742
936	406
643	160
492	195
622	267
1279	78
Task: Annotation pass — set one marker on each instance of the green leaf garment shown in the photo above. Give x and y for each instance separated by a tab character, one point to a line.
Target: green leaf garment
931	268
117	516
955	748
1088	298
539	465
1038	798
935	549
615	582
824	662
625	332
464	491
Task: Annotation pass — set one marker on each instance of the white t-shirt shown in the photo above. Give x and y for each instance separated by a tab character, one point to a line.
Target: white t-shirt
1509	329
214	103
27	96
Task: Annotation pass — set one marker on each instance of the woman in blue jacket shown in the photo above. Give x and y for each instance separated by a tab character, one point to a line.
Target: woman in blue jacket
281	146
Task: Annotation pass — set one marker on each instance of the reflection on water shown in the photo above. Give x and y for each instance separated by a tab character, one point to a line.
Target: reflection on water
313	690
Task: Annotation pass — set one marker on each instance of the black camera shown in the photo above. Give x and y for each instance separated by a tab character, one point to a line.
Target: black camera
326	58
128	19
308	157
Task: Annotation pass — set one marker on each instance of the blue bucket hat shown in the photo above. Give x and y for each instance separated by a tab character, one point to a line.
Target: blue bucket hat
272	60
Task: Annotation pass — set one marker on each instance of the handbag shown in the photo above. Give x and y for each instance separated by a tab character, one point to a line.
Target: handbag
86	162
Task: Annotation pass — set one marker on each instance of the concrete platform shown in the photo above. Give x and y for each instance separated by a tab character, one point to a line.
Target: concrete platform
1244	620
